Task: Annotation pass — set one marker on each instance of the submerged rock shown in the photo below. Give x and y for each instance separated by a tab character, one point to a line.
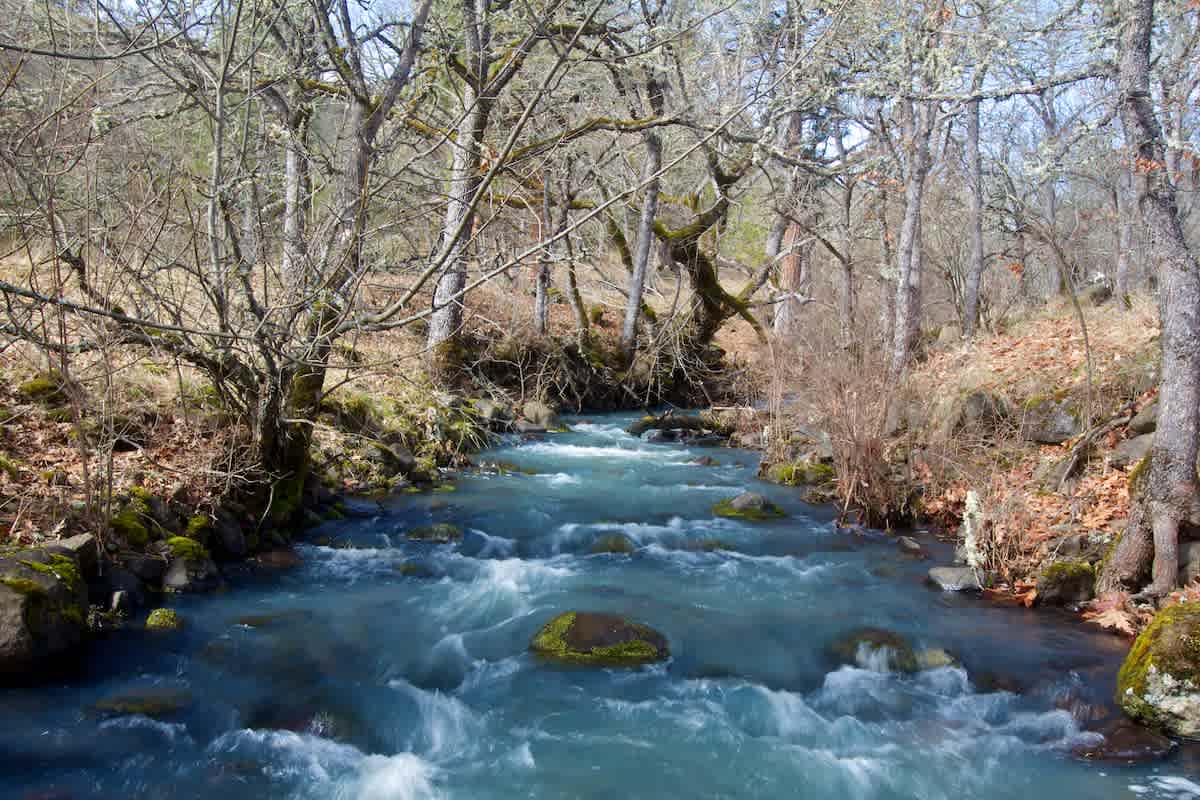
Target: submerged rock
1126	742
279	558
875	648
955	579
1159	683
43	608
617	543
910	546
438	533
1065	583
581	637
149	702
751	506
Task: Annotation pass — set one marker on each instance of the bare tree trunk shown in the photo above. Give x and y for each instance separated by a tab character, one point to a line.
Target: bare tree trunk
793	280
907	329
888	310
1170	490
541	300
446	319
645	240
1126	208
975	193
297	188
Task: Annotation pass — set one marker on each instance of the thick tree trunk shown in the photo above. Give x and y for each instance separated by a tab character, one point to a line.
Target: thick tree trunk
975	225
446	320
793	280
907	327
645	241
1170	491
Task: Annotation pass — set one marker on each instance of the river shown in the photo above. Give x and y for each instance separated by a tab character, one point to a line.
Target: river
388	668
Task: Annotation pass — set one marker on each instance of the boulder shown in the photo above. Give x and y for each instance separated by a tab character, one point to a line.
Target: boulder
1189	562
977	413
164	619
1131	451
540	414
1159	683
1050	473
1066	583
227	537
43	610
153	701
749	505
192	574
1146	420
1127	743
955	579
1050	421
279	558
495	414
438	533
706	461
875	649
910	546
581	637
85	551
616	543
147	567
126	582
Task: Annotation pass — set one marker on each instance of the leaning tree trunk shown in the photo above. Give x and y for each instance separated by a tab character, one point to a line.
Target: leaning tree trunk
1170	491
975	192
646	238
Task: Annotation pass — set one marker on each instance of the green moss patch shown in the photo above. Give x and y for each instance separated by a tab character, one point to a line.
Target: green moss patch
615	543
190	549
439	533
164	619
770	511
598	640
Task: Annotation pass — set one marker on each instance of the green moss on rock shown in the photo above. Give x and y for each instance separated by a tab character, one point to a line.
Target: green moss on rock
46	387
858	646
61	567
578	637
184	547
1159	682
164	619
768	511
801	474
615	543
22	585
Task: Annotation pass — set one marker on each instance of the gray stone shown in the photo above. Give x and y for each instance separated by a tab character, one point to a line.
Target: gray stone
1066	583
43	611
540	414
525	426
1050	473
493	412
1146	420
955	579
1189	562
1131	451
1050	422
909	545
121	580
85	552
192	575
148	568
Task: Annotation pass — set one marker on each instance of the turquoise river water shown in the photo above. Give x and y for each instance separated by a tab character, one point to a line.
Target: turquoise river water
350	678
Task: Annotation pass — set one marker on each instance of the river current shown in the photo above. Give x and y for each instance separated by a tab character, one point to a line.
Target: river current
386	668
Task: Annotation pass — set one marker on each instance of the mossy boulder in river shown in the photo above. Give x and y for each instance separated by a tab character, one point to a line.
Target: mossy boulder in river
438	533
615	543
1066	582
1159	683
751	506
875	649
582	637
43	609
164	619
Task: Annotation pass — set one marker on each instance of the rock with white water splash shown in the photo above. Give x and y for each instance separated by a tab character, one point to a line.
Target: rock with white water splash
955	579
1126	742
582	637
1159	683
875	649
438	533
